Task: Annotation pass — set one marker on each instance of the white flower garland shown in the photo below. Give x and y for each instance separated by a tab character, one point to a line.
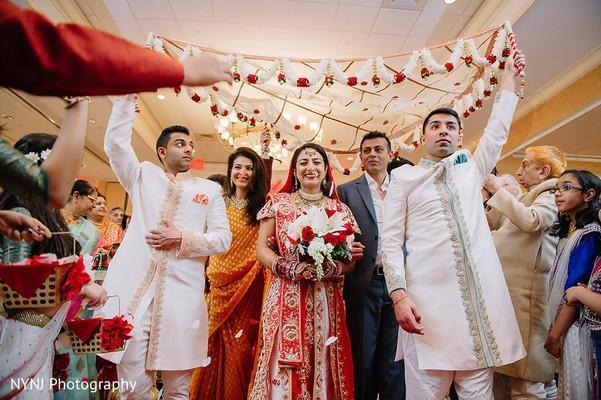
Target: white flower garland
373	69
408	148
345	171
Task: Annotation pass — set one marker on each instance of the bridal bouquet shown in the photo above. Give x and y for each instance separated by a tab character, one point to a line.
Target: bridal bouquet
322	235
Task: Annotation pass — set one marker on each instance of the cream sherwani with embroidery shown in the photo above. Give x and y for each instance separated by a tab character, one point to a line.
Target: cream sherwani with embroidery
173	281
436	244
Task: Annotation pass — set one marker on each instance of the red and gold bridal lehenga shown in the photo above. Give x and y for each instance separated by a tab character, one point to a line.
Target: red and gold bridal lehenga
293	361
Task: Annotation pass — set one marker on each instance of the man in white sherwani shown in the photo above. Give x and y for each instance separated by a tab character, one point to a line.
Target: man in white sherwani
158	272
440	264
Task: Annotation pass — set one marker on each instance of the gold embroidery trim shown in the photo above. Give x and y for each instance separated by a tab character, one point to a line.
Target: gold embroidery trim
465	271
191	242
159	261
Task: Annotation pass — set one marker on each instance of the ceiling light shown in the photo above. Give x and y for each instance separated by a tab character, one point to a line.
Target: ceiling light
313	126
449	1
92	121
6	116
161	96
350	158
302	120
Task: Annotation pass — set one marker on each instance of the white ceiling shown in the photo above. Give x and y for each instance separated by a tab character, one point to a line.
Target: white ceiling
279	27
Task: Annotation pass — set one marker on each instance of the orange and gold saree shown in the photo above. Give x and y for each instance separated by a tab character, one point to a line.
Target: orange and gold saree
234	302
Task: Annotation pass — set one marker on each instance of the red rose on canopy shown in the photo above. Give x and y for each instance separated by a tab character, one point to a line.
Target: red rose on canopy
251	78
352	81
399	77
307	234
302	82
449	66
330	238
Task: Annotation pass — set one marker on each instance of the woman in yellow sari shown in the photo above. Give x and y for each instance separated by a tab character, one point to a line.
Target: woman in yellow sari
236	287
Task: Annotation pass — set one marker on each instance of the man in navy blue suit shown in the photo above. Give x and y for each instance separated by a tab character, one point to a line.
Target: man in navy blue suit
372	325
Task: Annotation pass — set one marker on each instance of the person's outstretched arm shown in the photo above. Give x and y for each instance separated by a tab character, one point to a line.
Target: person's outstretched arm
70	59
64	161
117	142
52	181
495	135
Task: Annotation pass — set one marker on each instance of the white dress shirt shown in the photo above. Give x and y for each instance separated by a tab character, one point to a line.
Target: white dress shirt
378	207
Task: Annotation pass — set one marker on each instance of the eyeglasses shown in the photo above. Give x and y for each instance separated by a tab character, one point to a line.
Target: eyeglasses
566	187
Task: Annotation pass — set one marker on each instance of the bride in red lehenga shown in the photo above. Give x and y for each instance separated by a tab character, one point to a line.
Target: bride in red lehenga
304	351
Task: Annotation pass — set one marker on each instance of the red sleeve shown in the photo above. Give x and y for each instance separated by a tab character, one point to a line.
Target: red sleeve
67	59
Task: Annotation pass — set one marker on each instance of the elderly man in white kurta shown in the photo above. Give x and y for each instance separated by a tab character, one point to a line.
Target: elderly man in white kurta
158	272
440	263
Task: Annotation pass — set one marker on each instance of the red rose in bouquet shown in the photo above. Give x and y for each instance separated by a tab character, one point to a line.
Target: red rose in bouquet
307	234
331	238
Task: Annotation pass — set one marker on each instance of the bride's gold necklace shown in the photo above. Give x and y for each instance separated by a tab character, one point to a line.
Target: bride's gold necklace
310	199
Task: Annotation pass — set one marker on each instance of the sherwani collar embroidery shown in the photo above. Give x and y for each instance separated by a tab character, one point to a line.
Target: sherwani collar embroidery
459	157
182	176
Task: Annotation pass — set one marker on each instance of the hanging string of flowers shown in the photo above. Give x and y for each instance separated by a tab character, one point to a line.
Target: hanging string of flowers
345	171
329	70
399	144
420	67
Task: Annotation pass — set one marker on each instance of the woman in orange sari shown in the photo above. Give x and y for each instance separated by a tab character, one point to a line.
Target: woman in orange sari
236	286
304	350
110	232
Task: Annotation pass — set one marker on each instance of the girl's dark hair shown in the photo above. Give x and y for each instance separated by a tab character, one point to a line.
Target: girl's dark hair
259	186
587	181
61	245
325	187
83	188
